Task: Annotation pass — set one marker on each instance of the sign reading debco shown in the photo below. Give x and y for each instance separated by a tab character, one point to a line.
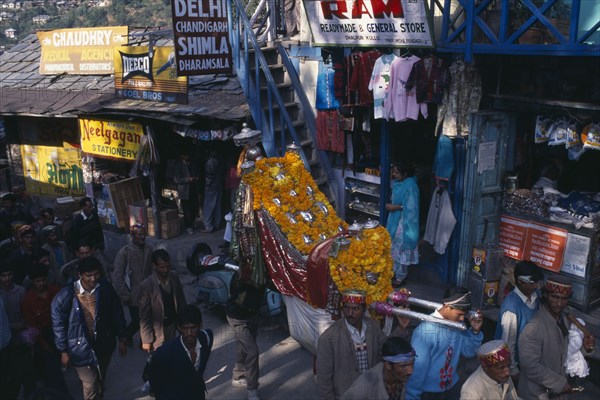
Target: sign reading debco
201	37
389	23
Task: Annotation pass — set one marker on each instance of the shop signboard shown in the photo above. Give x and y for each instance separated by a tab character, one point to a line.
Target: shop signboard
111	139
369	23
201	33
545	246
576	255
81	51
141	74
52	171
513	233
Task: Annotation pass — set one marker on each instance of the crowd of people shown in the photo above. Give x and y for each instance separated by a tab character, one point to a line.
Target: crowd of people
63	304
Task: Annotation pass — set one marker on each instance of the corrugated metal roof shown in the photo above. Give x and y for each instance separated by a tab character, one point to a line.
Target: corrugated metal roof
23	90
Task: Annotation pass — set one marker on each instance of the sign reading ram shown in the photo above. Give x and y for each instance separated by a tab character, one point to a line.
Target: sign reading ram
80	51
371	23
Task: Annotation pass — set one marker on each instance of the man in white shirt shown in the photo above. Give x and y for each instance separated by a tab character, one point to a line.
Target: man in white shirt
518	307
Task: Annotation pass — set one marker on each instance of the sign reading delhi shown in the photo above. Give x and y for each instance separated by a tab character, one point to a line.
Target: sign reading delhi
201	37
389	23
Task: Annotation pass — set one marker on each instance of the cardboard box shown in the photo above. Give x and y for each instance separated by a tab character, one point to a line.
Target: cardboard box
487	261
170	229
169	214
484	292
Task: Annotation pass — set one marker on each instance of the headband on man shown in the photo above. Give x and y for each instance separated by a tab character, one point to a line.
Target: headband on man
461	301
401	358
493	352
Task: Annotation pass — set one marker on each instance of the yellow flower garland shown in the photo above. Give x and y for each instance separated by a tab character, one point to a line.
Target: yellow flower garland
286	179
372	253
276	178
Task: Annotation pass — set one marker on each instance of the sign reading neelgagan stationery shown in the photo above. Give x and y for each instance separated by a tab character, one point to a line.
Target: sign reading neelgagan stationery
111	139
353	23
201	37
81	50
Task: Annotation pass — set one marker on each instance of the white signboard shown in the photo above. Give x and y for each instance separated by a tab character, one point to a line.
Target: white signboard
353	23
486	157
576	255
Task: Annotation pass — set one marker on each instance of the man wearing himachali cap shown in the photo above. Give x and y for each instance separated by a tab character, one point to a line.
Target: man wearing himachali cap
347	348
543	344
439	348
491	381
386	380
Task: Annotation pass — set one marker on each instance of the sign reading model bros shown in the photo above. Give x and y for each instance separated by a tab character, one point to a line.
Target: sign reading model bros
389	23
201	37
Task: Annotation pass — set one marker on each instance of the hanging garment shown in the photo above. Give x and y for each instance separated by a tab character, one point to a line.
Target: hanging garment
380	83
461	98
429	76
325	89
443	164
329	134
440	220
358	86
401	103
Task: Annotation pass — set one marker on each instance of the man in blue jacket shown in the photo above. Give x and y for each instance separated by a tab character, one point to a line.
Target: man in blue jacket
177	367
87	318
439	348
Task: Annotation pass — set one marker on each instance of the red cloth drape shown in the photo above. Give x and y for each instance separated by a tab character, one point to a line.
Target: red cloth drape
288	275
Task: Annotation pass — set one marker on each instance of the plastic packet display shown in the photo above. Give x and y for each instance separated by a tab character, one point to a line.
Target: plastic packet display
543	125
573	138
558	134
590	136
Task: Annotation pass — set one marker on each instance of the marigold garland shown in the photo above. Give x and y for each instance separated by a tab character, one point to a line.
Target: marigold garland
287	180
369	254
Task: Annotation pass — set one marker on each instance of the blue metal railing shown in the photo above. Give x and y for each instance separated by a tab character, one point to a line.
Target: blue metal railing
499	25
257	76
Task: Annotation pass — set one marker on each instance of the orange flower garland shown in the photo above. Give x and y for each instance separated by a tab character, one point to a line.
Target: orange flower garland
281	186
284	188
372	253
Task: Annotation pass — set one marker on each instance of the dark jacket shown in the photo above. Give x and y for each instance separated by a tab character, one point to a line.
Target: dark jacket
70	329
172	375
87	230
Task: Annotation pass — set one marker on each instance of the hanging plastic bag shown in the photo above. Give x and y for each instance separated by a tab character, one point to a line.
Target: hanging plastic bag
590	136
558	135
542	128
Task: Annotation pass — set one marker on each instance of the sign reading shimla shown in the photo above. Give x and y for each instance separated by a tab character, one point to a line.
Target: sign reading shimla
353	23
201	37
80	50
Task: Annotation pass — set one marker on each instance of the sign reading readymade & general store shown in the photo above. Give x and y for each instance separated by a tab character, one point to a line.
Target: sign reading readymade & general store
201	37
142	74
352	23
111	139
80	51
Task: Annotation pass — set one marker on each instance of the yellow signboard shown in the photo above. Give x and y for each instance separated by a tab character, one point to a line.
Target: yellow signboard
142	74
80	50
111	139
52	171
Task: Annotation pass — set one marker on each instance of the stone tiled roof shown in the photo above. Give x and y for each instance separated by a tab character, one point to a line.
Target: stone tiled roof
24	91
